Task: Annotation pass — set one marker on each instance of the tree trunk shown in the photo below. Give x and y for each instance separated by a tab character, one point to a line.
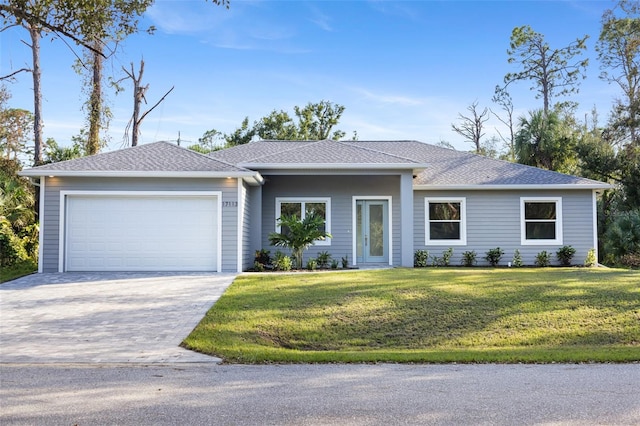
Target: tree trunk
34	32
95	102
138	97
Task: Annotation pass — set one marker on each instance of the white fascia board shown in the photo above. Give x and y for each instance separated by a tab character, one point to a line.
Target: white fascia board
593	186
170	174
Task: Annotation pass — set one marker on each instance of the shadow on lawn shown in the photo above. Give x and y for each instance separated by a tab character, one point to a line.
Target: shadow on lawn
435	308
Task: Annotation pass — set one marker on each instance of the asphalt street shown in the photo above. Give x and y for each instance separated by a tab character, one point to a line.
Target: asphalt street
379	394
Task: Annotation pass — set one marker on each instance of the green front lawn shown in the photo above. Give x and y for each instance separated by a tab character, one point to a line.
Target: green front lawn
8	273
427	315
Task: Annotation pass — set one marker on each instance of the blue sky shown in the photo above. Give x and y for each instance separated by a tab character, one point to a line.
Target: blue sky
403	70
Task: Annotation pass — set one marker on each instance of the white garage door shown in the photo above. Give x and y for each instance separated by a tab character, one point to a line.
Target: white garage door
141	233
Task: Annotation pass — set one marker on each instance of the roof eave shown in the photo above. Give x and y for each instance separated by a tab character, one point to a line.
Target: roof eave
125	173
480	187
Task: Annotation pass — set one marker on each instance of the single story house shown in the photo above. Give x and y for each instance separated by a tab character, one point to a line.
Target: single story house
161	207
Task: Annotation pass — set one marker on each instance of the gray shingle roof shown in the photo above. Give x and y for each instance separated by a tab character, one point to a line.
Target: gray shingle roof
436	167
445	167
153	157
329	152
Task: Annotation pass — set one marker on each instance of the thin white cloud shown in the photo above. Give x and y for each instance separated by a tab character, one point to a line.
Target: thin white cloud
320	19
396	9
185	17
387	98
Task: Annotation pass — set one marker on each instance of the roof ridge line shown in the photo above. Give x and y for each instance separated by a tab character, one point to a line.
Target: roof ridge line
307	142
352	143
191	151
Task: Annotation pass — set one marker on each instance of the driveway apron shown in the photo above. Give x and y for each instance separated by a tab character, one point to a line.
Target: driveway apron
105	317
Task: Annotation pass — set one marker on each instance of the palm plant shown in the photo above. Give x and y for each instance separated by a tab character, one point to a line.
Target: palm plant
298	235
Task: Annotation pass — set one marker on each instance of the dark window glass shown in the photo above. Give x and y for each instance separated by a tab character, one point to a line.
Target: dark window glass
540	210
444	230
541	230
540	220
444	211
289	209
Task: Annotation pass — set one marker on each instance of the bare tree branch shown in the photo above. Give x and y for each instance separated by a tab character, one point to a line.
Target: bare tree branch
156	104
35	20
9	76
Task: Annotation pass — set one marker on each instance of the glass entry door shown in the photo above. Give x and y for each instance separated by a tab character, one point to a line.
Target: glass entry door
372	239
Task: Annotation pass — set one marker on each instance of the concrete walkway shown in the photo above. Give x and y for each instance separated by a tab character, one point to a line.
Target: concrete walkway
105	317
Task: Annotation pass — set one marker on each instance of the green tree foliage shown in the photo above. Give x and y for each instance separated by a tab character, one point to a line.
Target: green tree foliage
613	153
278	125
553	72
618	50
315	121
298	235
242	135
546	141
54	153
15	128
623	236
18	231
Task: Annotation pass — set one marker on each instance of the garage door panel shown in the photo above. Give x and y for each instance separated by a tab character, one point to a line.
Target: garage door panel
141	233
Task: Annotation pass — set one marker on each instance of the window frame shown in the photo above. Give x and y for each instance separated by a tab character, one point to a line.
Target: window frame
558	221
303	201
462	241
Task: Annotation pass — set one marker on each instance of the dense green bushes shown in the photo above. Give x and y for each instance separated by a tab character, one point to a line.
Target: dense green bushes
18	229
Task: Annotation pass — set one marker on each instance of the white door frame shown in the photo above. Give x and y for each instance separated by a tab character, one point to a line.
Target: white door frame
354	200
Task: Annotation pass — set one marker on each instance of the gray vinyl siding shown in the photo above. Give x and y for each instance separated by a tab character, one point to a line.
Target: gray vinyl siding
493	220
247	252
54	185
341	190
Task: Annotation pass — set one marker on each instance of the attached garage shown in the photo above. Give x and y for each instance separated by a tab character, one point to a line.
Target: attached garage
140	231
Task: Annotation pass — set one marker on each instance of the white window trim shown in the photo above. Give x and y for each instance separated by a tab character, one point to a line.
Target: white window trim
462	241
523	229
326	200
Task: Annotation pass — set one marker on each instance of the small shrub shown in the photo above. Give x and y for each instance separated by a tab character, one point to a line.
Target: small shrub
543	259
281	262
565	254
258	267
334	264
262	258
630	260
323	259
345	262
312	264
591	259
446	256
469	258
420	258
493	256
517	259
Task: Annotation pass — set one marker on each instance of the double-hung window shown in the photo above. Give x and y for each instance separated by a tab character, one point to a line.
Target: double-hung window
446	221
300	207
541	220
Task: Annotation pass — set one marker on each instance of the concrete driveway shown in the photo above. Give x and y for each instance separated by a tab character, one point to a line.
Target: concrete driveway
105	317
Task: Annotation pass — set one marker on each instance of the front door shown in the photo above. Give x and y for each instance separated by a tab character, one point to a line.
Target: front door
372	236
